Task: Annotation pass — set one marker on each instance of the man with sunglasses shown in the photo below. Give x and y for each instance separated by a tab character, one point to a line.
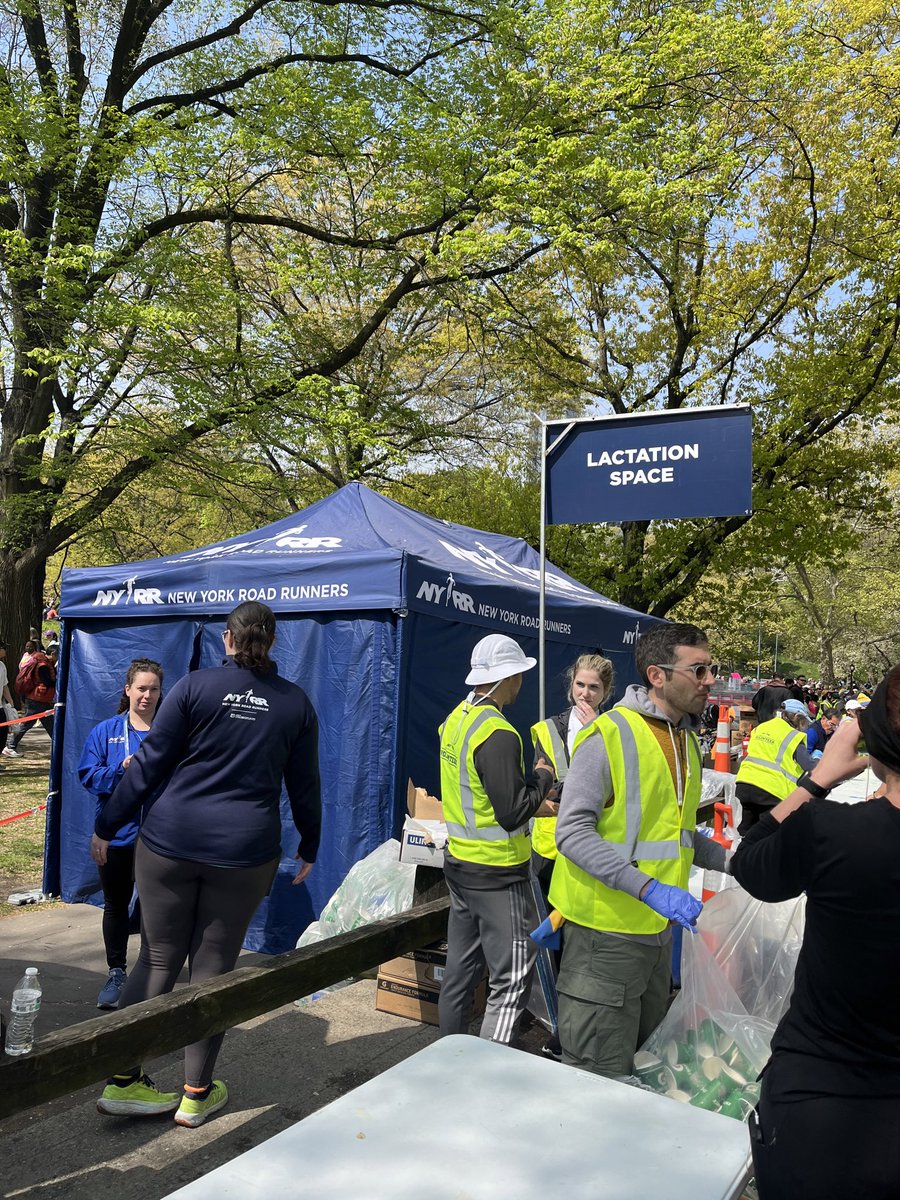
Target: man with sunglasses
627	840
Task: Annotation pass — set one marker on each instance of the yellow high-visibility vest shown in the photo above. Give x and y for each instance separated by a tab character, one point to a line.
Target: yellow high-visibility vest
543	830
652	830
475	835
770	762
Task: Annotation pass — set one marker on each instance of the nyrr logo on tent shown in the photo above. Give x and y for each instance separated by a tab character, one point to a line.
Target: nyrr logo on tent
446	594
290	540
132	593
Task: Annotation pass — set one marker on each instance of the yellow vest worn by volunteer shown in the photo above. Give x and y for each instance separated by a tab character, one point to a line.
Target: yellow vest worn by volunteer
543	831
474	832
645	821
770	762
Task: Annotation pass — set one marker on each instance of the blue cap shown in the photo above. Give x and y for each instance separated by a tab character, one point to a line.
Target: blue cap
796	706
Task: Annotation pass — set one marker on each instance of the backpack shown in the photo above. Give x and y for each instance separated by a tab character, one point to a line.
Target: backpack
28	681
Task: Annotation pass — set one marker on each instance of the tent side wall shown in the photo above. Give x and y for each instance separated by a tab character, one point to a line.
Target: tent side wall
348	665
97	655
436	662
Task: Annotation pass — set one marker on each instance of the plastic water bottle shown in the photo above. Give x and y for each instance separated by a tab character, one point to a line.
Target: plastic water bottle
26	1000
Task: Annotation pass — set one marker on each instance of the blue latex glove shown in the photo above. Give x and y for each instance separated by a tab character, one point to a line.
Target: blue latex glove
547	934
673	903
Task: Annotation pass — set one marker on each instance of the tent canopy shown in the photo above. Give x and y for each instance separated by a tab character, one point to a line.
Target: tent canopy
378	610
354	550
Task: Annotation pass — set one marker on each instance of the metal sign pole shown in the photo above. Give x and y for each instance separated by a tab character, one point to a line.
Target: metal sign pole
546	451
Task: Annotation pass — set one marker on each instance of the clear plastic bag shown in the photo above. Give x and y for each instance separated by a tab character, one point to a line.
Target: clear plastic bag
721	785
737	974
379	885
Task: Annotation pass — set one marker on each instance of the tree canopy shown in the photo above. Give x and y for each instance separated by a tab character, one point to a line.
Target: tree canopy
284	245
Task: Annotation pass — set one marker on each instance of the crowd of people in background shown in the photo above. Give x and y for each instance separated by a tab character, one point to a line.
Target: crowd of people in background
34	683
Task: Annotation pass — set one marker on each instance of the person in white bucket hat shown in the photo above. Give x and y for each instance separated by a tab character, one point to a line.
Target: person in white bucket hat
488	804
497	657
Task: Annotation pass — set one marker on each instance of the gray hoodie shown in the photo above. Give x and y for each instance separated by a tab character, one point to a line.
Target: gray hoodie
588	787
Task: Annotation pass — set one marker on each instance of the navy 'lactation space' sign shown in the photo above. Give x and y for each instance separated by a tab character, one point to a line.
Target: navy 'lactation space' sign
692	463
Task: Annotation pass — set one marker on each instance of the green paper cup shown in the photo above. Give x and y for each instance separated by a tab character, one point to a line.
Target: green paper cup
710	1096
733	1105
713	1068
736	1058
652	1072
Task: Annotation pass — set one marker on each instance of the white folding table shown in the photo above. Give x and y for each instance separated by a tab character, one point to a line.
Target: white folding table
465	1119
854	790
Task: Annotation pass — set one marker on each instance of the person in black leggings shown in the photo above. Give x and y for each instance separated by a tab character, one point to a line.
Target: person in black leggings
222	744
109	749
829	1111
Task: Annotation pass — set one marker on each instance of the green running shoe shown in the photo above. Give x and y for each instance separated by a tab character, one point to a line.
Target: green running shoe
192	1113
139	1098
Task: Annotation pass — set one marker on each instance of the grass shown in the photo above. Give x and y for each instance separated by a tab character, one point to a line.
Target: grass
23	786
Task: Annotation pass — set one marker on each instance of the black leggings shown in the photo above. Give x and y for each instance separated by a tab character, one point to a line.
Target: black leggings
117	878
830	1148
192	912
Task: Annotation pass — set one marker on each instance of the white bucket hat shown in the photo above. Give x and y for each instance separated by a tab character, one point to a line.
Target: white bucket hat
497	657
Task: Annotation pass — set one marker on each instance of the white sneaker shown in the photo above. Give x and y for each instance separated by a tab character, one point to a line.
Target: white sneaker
10	753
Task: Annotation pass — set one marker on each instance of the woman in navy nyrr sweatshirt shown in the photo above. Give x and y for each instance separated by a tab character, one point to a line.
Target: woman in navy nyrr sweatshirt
222	742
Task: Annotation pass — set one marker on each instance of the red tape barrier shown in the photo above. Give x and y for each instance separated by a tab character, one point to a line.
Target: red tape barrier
29	812
30	717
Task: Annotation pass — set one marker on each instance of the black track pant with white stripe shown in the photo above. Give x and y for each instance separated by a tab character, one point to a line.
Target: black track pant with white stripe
488	927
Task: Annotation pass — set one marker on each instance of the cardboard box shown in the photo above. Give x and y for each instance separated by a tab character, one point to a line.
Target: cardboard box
418	1002
422	843
422	806
424	833
425	966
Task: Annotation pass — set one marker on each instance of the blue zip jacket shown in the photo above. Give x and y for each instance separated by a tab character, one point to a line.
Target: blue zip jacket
222	741
100	769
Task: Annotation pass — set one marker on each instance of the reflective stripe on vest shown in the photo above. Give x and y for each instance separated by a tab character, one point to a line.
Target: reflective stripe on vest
543	830
775	773
475	835
645	822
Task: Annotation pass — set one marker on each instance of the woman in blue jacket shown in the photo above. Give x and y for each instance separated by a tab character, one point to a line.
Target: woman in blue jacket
225	742
109	749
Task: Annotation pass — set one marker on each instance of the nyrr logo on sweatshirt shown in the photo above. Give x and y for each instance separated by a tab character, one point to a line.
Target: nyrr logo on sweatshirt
245	702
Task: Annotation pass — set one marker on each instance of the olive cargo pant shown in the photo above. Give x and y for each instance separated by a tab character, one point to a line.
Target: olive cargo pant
612	994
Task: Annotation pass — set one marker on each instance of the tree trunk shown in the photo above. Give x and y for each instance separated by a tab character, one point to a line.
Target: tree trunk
826	651
634	587
21	603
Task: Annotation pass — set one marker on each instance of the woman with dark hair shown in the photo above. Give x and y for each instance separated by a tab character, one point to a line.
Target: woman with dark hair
222	744
827	1120
109	749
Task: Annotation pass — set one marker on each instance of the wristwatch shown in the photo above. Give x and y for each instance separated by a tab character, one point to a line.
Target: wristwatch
809	785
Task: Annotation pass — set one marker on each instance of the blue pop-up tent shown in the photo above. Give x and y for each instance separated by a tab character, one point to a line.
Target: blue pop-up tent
378	609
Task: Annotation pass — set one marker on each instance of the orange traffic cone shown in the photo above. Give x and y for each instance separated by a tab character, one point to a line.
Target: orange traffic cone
723	817
722	760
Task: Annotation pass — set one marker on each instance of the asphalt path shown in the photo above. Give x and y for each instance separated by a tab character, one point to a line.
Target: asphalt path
279	1068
